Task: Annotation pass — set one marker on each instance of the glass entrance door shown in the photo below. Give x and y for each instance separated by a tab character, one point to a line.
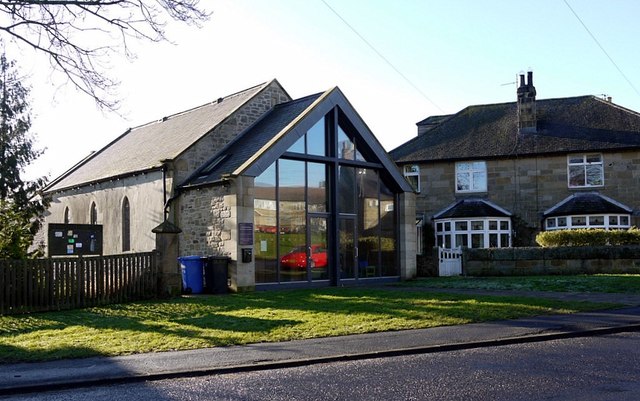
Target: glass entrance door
347	249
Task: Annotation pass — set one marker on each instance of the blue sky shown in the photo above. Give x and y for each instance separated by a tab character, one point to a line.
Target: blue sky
420	58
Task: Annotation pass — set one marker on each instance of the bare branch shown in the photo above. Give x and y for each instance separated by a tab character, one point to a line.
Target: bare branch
80	37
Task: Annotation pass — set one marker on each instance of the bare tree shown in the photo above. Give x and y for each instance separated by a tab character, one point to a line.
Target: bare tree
79	37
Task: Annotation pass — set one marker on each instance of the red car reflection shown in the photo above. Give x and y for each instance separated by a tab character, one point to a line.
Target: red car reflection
297	258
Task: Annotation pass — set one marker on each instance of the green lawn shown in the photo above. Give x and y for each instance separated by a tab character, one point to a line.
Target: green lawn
610	283
207	321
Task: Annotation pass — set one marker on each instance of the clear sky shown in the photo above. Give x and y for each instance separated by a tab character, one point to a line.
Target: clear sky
420	58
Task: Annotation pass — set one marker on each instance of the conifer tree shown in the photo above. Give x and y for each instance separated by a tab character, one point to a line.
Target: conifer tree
20	204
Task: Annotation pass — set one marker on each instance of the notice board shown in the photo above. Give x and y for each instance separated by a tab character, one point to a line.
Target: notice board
75	239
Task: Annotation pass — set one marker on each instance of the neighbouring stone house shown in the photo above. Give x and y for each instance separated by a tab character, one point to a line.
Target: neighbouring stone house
295	192
494	175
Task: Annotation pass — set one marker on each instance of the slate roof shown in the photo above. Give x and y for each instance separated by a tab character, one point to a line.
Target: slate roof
573	124
471	207
144	147
587	203
250	142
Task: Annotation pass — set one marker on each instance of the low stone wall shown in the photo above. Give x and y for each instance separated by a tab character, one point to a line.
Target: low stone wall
561	260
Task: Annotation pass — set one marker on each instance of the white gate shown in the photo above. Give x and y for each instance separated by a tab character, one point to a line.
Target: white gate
450	261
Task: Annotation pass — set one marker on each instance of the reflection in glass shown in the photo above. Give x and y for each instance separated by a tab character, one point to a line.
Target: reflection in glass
292	220
346	189
388	232
265	226
368	222
319	265
347	147
317	191
346	251
316	139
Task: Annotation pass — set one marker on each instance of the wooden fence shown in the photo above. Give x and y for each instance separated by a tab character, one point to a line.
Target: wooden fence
67	283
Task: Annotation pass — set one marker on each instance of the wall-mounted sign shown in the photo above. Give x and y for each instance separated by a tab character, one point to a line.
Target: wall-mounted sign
246	233
74	239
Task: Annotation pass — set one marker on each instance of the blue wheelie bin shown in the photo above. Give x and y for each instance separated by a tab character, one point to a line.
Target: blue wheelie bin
192	274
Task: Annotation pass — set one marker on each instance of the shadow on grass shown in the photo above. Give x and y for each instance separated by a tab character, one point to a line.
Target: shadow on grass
240	318
412	305
14	354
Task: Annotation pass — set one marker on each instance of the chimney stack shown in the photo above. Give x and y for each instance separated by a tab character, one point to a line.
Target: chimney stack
527	118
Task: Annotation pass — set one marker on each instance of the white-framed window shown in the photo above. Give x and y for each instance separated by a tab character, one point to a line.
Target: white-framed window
604	221
412	174
585	170
479	232
471	176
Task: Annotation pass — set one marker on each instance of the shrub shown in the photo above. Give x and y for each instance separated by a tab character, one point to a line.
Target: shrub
588	237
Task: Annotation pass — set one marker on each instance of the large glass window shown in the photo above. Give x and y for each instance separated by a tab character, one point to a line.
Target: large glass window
317	184
292	220
388	231
471	176
265	225
312	142
347	147
316	139
346	189
368	223
585	170
305	206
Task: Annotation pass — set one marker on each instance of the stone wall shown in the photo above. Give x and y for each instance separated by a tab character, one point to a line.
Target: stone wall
561	260
146	200
527	186
210	218
407	236
204	219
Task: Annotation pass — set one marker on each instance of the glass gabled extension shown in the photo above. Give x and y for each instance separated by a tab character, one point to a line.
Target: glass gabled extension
325	210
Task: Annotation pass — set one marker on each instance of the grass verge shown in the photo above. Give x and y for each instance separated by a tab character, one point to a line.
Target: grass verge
607	283
209	321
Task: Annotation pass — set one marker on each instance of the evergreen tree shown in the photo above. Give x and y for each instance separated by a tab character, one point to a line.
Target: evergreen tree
20	204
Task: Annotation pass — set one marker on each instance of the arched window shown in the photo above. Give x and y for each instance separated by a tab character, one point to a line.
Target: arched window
93	214
66	219
126	225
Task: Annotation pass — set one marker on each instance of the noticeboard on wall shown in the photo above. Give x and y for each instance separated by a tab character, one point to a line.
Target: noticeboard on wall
75	239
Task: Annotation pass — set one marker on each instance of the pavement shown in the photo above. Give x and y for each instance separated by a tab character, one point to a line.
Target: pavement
44	376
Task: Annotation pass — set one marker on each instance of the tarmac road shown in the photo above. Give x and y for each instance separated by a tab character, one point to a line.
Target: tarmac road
586	368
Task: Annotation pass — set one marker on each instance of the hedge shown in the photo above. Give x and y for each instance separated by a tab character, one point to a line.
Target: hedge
588	237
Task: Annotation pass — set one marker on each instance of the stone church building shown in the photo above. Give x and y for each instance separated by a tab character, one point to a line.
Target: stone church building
295	192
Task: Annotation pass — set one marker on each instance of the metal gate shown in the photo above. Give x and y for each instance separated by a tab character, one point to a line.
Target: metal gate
449	261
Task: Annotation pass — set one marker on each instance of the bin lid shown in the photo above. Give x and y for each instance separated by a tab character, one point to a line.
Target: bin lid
192	257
